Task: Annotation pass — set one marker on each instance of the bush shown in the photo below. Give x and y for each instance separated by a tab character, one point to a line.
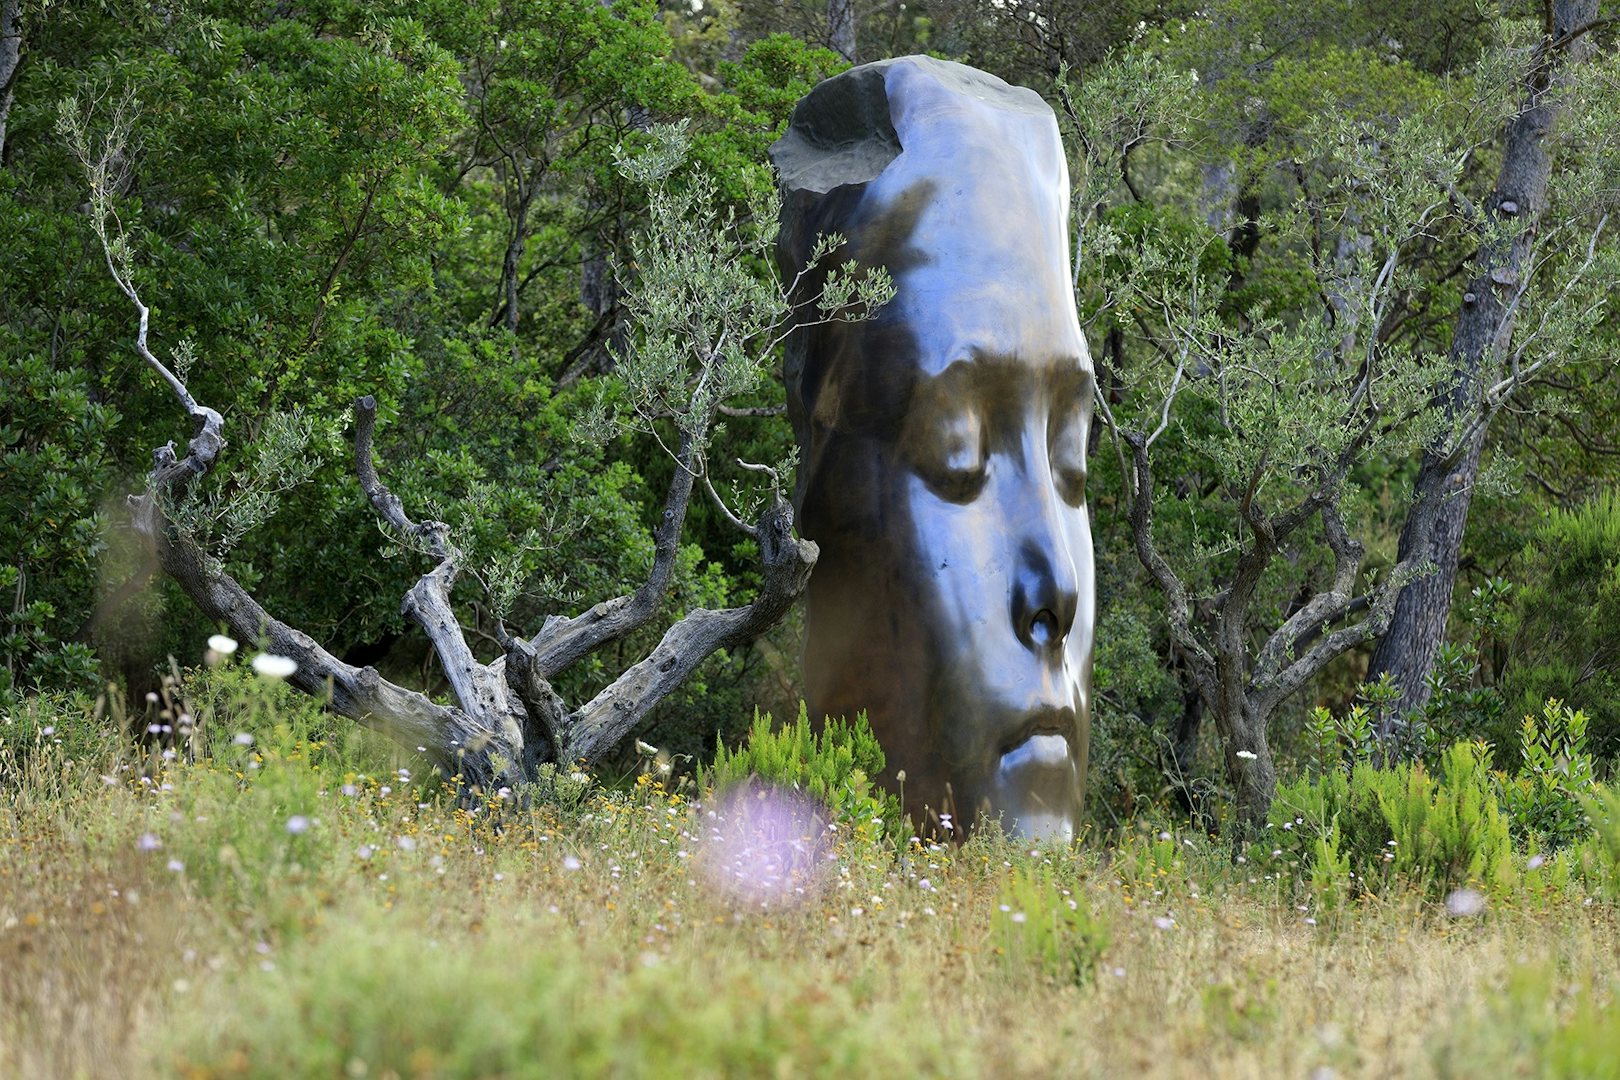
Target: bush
1555	772
53	456
1564	634
1402	824
835	767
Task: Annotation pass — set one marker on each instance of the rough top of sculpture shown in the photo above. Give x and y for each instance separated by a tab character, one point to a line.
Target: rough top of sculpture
943	442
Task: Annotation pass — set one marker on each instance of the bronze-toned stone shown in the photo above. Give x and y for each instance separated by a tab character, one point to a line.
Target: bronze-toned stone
943	442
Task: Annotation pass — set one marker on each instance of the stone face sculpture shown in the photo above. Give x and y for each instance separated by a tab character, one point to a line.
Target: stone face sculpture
943	442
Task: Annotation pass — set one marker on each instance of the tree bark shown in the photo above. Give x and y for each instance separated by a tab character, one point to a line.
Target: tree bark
841	28
1484	328
10	61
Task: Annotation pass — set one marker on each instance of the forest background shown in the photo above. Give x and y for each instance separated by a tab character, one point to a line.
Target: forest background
1284	215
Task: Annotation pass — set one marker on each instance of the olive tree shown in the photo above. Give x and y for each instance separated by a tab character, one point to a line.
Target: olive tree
708	320
1241	428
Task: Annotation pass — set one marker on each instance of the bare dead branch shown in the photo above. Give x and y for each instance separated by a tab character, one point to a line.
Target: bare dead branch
480	690
564	642
786	562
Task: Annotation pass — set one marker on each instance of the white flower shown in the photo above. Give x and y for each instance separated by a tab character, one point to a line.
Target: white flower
243	739
1247	755
222	644
571	863
297	824
176	866
148	842
1164	922
272	666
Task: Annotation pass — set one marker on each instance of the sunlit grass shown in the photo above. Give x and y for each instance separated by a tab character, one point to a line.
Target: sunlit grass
298	901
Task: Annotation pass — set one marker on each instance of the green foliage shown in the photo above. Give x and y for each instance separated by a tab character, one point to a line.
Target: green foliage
1042	927
1439	832
836	766
1131	692
55	464
1555	774
1563	634
1598	857
1539	1024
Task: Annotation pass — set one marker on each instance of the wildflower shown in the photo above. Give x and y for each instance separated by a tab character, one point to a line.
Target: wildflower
1019	916
298	824
1537	862
1464	903
365	851
176	866
148	842
221	644
1164	922
350	790
1247	755
274	667
571	863
406	843
243	739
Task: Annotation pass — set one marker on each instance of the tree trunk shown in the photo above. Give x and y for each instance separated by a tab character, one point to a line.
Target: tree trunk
10	61
1484	325
841	28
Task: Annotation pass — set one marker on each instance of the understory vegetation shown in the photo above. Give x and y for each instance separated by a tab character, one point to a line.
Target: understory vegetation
258	890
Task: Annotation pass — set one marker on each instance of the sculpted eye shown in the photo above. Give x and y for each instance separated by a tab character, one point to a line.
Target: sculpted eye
1068	454
950	456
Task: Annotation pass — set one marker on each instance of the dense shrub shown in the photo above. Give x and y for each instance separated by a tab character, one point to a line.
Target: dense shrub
836	766
1440	831
1564	637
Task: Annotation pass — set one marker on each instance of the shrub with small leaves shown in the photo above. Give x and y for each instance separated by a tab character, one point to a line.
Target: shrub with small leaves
1441	830
1555	771
836	766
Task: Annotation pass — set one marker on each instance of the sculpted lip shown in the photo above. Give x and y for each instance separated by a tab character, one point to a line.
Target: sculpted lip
1049	720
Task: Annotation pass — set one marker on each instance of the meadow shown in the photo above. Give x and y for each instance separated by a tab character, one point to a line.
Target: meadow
262	891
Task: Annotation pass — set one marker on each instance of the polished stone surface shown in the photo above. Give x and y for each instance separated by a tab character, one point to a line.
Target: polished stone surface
943	442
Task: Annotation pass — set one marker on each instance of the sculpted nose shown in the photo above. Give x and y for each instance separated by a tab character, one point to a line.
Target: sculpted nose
1046	593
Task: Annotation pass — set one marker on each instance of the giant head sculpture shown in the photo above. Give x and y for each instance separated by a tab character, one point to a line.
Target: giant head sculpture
943	442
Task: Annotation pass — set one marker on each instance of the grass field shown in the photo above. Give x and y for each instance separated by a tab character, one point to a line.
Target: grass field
302	904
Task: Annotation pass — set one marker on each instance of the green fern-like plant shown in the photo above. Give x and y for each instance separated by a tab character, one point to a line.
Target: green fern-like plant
835	766
1438	830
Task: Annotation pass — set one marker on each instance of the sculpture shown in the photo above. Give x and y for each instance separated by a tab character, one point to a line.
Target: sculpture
943	442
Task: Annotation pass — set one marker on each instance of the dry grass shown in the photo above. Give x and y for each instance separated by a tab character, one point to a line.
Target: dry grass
392	938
